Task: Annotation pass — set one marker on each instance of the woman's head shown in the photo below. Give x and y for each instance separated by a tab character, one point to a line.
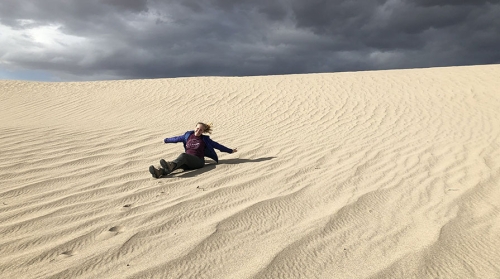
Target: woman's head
202	128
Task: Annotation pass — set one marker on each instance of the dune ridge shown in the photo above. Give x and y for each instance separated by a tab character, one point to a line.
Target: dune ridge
382	174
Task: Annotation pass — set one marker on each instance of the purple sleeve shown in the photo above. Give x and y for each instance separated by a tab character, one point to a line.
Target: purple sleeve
174	139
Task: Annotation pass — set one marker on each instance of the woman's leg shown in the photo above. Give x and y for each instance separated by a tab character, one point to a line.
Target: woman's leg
185	161
188	161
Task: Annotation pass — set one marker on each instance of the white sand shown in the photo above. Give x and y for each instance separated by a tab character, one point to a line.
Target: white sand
385	174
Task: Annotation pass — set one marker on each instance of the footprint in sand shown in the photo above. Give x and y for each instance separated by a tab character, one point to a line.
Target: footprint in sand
110	233
68	253
64	255
127	206
117	229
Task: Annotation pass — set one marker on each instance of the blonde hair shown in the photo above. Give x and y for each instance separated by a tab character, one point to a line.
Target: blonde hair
207	128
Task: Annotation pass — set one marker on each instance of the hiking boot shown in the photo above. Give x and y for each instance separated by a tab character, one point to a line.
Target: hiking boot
156	173
167	166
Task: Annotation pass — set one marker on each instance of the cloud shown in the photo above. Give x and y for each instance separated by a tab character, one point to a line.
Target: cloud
116	39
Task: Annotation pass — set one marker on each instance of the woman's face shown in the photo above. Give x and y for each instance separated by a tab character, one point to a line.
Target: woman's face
199	130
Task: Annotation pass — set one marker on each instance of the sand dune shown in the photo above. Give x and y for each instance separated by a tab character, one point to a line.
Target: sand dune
384	174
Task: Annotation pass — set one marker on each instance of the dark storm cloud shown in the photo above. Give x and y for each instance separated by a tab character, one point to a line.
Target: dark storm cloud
150	39
454	2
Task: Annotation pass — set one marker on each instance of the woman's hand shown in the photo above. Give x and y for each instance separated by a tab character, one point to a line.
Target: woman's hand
235	150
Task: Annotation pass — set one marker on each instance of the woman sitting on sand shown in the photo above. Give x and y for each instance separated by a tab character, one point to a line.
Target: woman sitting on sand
196	146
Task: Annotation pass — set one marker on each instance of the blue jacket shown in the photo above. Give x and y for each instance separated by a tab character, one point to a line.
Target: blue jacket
209	145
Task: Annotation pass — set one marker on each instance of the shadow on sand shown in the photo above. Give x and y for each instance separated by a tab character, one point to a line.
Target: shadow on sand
211	166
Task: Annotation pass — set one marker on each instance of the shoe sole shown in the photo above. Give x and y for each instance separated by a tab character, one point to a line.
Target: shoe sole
164	165
153	171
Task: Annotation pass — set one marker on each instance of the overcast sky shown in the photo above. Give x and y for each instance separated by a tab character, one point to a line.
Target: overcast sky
71	40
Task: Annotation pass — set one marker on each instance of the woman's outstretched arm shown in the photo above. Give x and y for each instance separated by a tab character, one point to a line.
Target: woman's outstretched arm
174	139
221	147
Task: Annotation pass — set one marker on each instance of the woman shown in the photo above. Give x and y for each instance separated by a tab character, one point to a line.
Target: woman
196	146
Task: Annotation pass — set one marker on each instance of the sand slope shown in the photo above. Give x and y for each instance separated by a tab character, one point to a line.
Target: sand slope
385	174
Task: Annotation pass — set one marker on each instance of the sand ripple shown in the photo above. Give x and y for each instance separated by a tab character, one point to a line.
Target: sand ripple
388	174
